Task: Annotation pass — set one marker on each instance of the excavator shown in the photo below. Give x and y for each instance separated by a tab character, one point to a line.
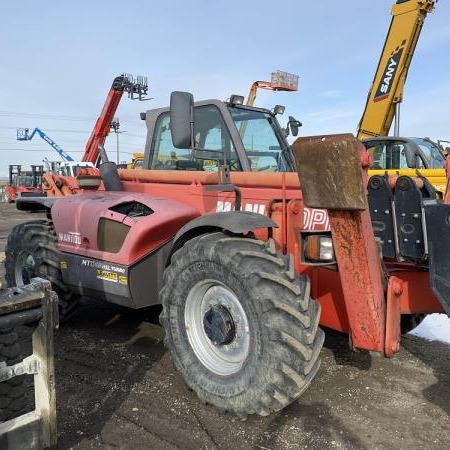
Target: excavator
386	93
384	99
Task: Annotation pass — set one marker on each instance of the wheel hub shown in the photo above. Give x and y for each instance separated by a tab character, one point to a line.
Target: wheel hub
219	325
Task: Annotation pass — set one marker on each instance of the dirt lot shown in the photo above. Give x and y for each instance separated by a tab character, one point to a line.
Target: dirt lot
117	388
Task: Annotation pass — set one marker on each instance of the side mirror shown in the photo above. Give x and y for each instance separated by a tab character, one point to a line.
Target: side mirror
293	124
182	119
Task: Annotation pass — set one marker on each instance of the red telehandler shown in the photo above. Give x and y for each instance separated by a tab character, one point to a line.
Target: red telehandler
245	260
58	185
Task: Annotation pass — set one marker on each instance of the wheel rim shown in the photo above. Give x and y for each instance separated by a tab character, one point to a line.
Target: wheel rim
24	268
217	327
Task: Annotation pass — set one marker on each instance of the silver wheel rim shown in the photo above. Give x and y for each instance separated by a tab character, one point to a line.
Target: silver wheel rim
25	264
223	359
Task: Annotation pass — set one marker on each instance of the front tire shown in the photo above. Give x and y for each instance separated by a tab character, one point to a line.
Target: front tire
240	324
31	252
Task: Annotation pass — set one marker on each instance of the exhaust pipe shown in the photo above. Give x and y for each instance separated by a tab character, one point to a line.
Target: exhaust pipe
108	172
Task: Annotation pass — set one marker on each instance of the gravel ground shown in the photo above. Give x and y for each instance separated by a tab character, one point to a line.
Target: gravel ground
117	388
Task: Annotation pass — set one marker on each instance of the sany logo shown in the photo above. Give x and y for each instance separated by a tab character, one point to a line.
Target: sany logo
71	237
389	74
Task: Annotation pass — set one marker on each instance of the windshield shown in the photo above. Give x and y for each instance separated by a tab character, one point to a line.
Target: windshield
431	152
265	149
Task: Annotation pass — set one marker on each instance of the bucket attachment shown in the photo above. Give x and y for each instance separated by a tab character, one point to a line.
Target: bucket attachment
329	168
331	177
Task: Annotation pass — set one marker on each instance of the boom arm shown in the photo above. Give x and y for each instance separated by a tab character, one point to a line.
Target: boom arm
281	81
22	135
124	82
254	88
387	86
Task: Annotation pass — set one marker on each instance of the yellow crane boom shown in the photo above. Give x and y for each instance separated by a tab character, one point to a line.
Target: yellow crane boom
387	86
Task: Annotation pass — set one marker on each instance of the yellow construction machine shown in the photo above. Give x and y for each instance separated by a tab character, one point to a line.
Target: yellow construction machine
385	96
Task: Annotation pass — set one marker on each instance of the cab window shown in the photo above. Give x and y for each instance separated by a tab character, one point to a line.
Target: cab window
261	143
210	133
387	155
433	155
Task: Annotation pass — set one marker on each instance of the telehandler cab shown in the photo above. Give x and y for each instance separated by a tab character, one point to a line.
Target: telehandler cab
216	229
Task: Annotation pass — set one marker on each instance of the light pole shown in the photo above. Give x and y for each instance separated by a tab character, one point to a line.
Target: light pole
115	125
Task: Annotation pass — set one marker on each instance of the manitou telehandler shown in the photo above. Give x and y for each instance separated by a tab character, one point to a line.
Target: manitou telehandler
216	228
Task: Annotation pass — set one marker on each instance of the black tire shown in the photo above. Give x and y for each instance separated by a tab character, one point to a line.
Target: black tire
284	339
12	392
37	239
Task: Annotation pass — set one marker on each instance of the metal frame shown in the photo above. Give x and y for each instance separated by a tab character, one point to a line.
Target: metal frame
31	303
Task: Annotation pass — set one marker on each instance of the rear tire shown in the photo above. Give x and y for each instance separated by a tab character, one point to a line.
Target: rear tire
240	324
31	252
12	392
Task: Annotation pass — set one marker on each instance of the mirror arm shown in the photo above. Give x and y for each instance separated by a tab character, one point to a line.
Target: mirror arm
192	130
228	187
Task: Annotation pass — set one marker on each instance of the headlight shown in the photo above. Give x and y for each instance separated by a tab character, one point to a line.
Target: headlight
318	249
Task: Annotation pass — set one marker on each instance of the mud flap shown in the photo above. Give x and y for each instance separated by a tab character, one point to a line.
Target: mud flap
438	235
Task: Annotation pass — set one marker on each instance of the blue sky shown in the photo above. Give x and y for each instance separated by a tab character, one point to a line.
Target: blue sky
59	60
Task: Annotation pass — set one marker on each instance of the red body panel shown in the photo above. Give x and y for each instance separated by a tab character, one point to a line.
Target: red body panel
77	231
13	193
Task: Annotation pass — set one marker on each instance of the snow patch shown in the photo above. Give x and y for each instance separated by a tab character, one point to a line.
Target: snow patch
435	327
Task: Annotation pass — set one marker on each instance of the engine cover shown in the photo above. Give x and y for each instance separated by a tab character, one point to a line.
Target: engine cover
117	227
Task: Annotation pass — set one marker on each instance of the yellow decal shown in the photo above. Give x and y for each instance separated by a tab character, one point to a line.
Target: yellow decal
123	280
63	265
108	276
